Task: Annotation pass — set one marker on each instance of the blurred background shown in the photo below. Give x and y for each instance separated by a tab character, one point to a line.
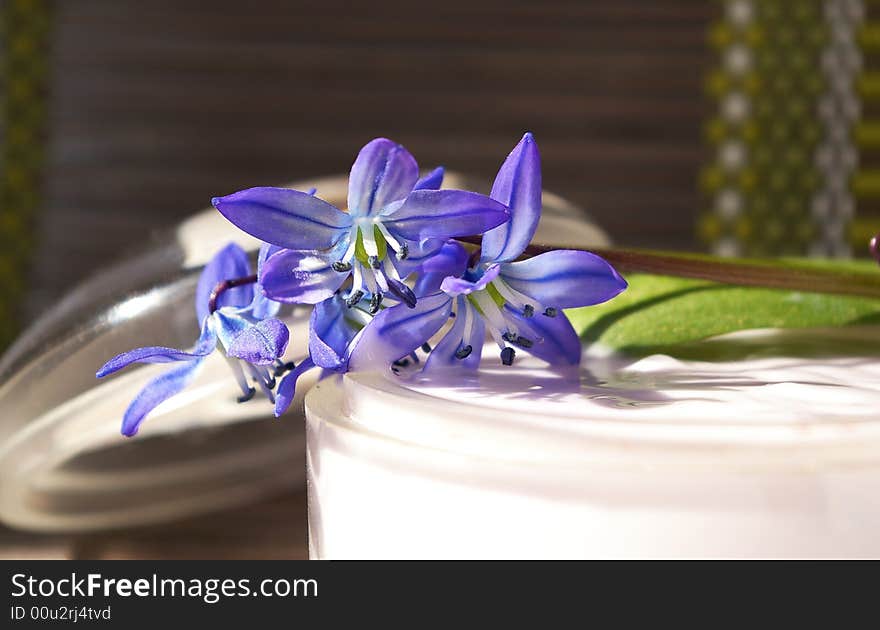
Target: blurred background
742	127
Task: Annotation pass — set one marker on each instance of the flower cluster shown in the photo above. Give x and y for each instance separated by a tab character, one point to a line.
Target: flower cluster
387	277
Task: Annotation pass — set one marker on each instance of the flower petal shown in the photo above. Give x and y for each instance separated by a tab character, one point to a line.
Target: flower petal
517	186
230	262
229	324
330	333
444	214
157	391
267	250
160	354
283	217
449	260
460	286
458	337
564	278
384	172
558	344
397	331
431	181
301	277
287	387
262	307
401	292
262	343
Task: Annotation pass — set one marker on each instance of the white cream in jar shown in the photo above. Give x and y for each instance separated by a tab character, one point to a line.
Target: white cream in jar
656	457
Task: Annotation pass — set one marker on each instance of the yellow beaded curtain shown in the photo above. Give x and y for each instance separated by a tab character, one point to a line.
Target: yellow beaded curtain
24	38
787	168
866	183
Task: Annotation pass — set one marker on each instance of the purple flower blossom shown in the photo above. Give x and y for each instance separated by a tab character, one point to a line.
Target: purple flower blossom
334	329
394	222
395	225
244	324
519	303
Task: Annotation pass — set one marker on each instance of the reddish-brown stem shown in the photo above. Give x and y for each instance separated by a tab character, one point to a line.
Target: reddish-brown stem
756	273
225	285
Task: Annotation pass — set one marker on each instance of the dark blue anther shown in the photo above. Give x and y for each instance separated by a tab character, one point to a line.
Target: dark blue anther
281	368
525	342
507	356
354	298
464	352
246	397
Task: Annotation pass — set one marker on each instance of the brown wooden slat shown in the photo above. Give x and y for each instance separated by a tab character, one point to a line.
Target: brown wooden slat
158	106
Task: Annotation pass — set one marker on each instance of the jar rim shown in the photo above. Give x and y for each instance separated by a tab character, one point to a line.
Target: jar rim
492	425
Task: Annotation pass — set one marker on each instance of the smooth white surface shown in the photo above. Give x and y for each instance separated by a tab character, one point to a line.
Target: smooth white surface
767	457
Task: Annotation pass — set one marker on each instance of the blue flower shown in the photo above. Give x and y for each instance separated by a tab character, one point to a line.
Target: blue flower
390	211
519	303
334	329
243	323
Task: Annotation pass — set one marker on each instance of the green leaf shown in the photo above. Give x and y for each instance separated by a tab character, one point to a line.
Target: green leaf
669	315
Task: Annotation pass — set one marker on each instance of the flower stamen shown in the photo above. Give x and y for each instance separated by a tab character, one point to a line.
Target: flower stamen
369	238
401	250
369	282
352	245
515	299
468	322
261	377
247	391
